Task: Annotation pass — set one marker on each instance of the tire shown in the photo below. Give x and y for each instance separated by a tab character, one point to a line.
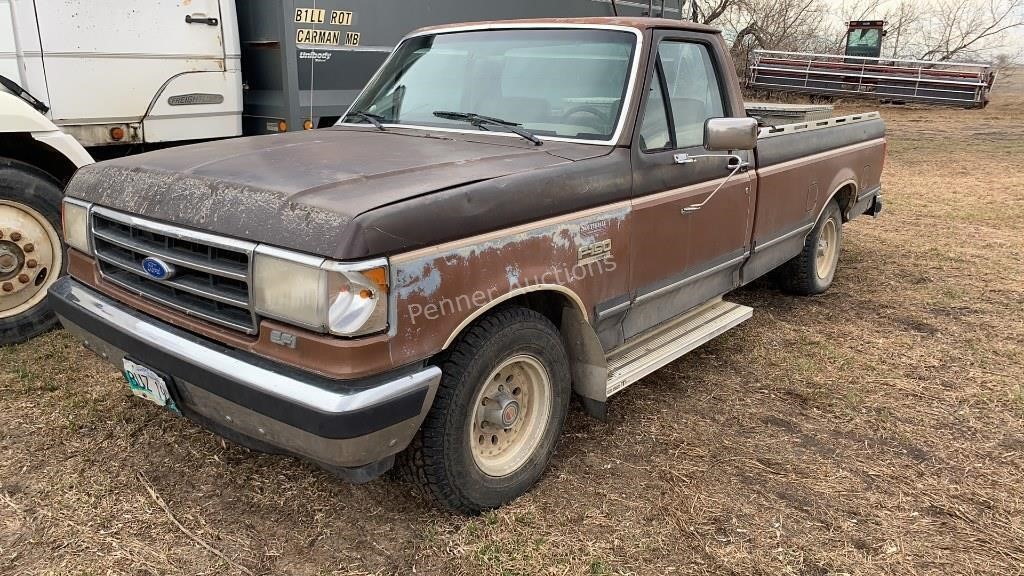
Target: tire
32	254
812	271
443	459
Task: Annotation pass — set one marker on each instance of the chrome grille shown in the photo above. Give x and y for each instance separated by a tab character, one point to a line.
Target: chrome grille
211	279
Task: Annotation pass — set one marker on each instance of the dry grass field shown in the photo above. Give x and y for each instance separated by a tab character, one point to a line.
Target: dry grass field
878	429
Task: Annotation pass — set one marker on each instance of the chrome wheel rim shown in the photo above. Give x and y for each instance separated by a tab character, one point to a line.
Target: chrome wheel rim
828	249
510	417
30	258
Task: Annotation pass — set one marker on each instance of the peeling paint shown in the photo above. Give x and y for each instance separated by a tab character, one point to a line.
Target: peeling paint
423	281
512	274
444	285
211	205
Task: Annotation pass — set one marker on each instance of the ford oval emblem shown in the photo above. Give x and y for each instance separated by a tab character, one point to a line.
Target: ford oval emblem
157	268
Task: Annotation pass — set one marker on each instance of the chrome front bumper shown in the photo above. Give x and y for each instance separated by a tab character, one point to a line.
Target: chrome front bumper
337	424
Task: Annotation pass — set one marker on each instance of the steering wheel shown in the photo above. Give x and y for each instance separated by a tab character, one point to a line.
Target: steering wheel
592	110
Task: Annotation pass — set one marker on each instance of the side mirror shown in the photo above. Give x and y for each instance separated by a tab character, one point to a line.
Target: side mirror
730	134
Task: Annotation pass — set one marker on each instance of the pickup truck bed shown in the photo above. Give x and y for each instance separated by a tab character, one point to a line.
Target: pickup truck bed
798	167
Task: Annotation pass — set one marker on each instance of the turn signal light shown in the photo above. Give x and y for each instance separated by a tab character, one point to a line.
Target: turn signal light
117	133
307	125
282	126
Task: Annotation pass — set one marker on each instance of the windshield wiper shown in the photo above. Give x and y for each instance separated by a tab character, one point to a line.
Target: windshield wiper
23	94
376	119
483	121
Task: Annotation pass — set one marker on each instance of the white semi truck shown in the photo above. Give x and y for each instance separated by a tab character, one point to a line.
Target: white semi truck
95	79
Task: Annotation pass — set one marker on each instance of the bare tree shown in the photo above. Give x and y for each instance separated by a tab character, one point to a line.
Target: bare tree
1007	65
774	25
864	10
939	30
901	21
708	11
966	28
897	17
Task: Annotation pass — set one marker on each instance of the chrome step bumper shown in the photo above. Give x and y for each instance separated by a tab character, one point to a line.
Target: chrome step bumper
338	424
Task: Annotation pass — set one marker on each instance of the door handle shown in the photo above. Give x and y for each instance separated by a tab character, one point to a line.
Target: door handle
190	19
735	164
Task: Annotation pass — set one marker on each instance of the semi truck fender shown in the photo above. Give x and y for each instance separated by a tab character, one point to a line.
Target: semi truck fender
17	117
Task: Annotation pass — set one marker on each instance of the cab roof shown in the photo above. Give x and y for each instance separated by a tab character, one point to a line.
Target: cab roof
641	24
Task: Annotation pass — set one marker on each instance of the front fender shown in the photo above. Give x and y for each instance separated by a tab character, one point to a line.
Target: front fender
66	146
17	117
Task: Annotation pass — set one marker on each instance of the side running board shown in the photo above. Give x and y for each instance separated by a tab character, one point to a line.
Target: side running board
649	352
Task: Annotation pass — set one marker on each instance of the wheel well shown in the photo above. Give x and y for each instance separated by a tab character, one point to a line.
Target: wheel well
846	196
24	148
583	347
547	302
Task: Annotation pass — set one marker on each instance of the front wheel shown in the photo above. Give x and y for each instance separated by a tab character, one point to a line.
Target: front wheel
497	415
31	251
812	271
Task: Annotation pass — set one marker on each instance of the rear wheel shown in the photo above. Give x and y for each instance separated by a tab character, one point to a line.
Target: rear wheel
497	415
31	251
812	271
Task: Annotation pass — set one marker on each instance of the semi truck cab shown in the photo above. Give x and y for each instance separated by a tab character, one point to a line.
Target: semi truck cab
115	72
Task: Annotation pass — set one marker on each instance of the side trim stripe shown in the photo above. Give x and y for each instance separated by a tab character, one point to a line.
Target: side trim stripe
689	279
773	168
783	238
871	192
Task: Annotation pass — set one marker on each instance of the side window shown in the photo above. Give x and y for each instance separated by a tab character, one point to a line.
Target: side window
693	89
654	132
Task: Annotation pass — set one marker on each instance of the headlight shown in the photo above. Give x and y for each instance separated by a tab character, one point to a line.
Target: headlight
319	294
75	215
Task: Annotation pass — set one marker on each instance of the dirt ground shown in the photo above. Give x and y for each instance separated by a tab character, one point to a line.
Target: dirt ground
878	429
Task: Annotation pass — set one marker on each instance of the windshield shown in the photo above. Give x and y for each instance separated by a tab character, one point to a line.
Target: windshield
864	42
568	83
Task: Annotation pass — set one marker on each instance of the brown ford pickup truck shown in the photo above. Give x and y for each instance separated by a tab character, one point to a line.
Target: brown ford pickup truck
511	214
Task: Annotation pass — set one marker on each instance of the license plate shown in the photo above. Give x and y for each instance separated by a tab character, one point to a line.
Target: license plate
145	383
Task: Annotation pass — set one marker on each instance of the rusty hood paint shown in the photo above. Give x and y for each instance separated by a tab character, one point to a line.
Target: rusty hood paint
300	190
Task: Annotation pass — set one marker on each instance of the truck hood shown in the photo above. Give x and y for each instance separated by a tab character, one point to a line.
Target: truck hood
300	190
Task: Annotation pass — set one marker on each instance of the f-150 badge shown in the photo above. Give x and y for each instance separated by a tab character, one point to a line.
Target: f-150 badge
594	252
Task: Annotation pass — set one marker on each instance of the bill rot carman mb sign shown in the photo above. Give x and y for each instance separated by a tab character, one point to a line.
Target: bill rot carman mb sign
324	36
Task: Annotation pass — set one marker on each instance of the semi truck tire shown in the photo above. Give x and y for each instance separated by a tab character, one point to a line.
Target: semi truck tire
32	253
812	271
497	415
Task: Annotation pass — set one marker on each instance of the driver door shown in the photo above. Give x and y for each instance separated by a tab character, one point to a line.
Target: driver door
683	258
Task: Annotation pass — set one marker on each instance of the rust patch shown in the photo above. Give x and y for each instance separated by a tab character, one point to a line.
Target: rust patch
437	291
